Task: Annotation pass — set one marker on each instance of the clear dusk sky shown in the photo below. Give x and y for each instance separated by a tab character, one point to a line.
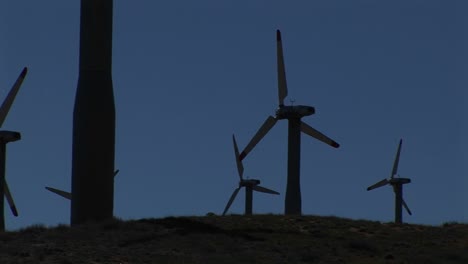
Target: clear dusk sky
189	74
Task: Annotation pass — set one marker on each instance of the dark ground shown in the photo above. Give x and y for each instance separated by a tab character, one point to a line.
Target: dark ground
238	239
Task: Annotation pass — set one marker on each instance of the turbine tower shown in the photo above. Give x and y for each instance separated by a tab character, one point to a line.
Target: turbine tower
94	117
397	184
249	184
293	114
5	137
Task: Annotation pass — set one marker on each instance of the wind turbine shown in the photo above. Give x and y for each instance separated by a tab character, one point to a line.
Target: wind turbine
5	137
397	184
249	184
292	113
67	195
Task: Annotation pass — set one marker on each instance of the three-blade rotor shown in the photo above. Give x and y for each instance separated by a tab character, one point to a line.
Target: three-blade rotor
282	94
394	170
4	109
243	183
392	179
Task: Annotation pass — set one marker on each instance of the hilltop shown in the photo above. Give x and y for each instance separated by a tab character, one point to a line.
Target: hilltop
238	239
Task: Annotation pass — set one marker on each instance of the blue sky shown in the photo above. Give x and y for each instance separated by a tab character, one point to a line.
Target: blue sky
188	75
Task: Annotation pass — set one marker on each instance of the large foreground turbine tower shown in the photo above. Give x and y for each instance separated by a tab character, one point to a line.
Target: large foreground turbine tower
94	117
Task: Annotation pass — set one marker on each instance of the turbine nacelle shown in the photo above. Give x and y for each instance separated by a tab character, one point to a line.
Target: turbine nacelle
9	136
395	181
249	183
294	111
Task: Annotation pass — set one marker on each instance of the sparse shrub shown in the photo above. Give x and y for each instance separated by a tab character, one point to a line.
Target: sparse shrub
449	224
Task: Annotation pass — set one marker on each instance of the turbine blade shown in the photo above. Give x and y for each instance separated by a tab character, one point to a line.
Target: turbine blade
240	167
233	196
406	206
116	172
64	194
267	125
9	198
264	190
11	96
318	135
282	85
379	184
397	159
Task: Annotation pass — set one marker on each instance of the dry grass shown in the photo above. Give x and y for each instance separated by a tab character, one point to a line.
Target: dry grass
238	239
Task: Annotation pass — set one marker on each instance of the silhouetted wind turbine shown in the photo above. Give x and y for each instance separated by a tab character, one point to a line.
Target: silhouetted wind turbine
397	184
67	195
293	114
5	137
249	184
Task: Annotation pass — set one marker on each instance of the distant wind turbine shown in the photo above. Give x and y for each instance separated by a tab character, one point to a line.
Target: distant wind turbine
294	114
250	185
397	184
6	137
